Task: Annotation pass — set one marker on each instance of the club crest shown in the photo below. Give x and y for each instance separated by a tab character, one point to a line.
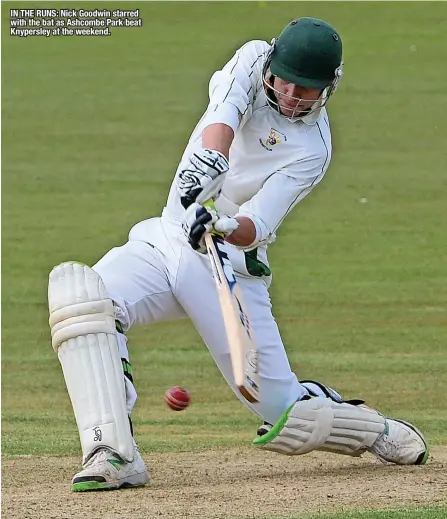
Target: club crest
274	137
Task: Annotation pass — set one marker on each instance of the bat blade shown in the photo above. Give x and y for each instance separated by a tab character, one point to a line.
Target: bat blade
243	351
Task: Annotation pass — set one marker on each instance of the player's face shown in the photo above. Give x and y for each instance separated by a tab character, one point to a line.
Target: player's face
293	100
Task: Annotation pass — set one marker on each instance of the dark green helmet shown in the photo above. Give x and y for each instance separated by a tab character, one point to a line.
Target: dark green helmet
308	53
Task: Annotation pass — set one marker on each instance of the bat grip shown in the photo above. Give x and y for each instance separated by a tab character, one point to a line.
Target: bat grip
210	203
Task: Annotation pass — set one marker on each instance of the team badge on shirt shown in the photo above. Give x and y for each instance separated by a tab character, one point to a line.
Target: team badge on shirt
275	137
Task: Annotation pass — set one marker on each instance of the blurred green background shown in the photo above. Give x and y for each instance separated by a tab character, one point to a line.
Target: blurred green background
93	129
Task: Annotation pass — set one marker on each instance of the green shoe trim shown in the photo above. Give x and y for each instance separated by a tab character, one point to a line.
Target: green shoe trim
91	485
426	455
274	431
116	462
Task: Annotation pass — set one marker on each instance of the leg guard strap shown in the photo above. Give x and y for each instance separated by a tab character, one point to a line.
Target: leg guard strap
316	388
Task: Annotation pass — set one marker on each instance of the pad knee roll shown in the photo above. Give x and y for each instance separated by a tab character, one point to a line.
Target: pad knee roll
82	322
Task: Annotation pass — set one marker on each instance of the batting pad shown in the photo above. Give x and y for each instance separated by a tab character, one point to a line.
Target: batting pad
322	424
82	322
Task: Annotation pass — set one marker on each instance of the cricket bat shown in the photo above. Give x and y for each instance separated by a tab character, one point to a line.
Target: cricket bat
243	351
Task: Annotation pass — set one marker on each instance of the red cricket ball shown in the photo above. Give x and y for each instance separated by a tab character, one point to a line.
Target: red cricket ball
177	398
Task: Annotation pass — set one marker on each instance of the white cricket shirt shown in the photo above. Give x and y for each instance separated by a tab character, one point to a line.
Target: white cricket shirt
274	163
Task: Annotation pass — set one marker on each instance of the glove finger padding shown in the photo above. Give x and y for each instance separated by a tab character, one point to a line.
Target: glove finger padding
197	233
204	178
198	220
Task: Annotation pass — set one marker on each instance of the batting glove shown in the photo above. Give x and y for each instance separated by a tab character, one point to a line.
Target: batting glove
203	178
198	220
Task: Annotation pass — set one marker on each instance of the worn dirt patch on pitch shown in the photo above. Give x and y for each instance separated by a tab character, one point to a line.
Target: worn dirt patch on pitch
224	483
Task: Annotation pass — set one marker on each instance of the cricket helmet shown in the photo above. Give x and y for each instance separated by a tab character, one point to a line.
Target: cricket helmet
308	53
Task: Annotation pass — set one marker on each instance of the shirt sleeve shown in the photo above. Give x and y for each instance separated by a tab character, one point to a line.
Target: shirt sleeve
232	89
281	192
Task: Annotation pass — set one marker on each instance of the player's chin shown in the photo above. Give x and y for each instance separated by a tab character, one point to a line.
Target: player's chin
287	112
292	111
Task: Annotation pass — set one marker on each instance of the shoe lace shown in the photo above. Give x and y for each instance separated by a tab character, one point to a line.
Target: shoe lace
98	457
387	447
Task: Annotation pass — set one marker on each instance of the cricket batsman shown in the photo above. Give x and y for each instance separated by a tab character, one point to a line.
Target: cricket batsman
262	145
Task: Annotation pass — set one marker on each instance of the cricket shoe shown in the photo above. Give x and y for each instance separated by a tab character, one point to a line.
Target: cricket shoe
401	443
105	470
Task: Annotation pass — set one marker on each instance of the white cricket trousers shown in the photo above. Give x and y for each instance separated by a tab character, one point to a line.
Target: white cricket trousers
156	276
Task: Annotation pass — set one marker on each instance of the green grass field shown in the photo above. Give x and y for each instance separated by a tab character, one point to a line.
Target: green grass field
93	128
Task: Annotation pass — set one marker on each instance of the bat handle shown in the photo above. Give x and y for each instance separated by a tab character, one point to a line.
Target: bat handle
210	203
